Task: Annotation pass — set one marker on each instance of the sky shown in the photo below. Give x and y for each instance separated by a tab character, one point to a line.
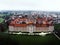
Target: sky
41	5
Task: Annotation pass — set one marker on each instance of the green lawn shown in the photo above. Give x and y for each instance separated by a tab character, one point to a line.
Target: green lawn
1	20
2	15
7	39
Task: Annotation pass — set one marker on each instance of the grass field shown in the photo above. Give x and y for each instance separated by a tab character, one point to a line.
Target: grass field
2	15
8	39
1	20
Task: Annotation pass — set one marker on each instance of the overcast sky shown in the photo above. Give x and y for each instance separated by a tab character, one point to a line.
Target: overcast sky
44	5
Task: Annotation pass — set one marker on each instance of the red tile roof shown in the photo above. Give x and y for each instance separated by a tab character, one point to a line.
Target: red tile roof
44	21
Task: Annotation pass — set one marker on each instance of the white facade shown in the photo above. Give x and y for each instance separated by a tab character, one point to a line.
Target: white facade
31	29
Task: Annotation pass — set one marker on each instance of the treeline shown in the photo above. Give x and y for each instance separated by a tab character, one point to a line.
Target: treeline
3	26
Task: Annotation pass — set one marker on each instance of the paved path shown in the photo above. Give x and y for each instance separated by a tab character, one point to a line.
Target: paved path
56	35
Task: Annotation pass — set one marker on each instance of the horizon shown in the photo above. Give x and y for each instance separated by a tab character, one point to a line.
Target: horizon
29	10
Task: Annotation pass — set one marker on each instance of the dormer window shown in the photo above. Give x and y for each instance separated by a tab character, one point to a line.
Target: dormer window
17	23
